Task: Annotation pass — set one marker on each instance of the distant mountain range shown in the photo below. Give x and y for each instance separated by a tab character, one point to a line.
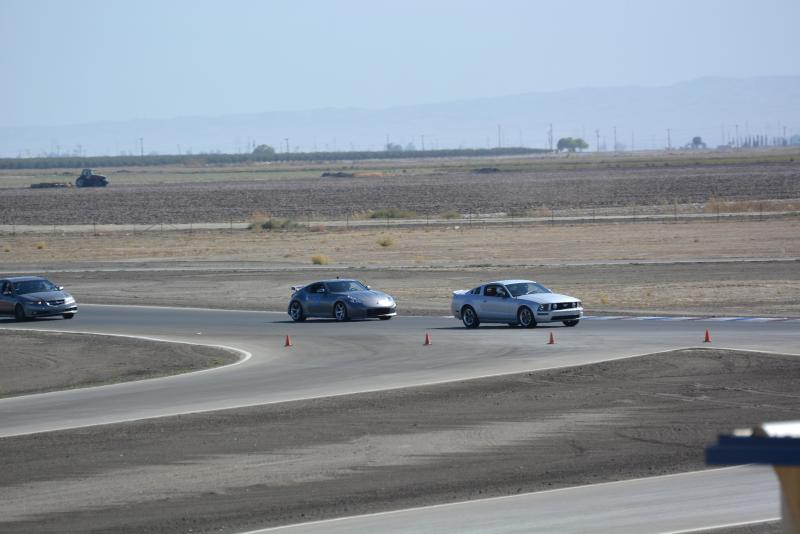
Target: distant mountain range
717	109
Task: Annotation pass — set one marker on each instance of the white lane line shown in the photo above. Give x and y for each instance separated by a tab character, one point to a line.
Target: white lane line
726	525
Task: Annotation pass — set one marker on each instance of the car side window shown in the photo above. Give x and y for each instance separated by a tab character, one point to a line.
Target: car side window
476	291
316	288
490	291
6	288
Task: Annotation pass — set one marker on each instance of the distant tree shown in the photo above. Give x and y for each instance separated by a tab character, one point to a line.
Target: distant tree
393	147
571	144
410	147
264	151
697	142
795	139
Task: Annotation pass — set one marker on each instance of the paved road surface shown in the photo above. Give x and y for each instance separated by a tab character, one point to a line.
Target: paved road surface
329	358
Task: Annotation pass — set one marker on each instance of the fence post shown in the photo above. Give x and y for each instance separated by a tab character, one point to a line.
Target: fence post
552	217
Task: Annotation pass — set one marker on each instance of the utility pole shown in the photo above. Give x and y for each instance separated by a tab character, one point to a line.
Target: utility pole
423	142
287	144
141	146
387	141
669	139
737	136
550	136
615	138
499	137
597	134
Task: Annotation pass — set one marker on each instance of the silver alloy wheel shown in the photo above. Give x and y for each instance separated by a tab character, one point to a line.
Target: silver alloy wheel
296	311
525	317
340	311
469	318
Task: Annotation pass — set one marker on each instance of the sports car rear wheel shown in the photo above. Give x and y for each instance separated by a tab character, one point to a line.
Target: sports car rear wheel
470	318
296	311
525	318
340	311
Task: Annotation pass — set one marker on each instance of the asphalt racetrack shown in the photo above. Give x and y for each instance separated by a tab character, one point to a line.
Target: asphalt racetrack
329	358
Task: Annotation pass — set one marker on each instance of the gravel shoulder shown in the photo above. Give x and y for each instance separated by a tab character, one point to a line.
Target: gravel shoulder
268	465
36	362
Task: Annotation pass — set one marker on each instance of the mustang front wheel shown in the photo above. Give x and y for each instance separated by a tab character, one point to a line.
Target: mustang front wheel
525	317
572	322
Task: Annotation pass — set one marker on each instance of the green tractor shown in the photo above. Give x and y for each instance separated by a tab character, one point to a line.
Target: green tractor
89	179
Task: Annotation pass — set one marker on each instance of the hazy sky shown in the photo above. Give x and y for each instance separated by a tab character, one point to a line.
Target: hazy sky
78	61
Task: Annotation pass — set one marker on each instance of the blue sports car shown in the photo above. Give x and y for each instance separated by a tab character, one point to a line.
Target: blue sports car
341	300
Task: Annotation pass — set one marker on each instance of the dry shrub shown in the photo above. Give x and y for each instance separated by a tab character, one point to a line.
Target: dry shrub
391	213
385	241
320	259
717	205
419	258
40	245
603	298
6	249
319	227
451	214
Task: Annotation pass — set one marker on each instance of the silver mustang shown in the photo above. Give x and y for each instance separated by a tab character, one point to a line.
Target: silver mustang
515	302
341	299
26	297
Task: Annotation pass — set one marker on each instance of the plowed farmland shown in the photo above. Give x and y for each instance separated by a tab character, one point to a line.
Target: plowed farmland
430	192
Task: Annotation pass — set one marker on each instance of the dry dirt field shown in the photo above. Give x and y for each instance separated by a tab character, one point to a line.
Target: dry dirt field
725	268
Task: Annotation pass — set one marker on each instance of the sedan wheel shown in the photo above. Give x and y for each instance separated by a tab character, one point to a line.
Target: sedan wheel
19	313
525	318
68	315
470	318
340	311
572	322
296	311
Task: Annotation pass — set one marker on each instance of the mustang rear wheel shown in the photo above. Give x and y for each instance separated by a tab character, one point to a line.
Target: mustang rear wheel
469	317
571	322
296	311
525	318
340	311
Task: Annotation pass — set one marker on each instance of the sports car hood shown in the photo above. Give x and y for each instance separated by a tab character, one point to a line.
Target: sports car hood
46	295
547	298
372	297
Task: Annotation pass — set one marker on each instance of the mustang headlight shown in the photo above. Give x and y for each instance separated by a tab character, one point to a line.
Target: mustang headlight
544	307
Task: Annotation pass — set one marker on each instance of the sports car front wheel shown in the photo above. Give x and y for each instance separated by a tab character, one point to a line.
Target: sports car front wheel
340	311
572	322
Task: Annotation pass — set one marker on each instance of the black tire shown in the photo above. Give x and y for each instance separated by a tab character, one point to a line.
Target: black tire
571	322
68	315
80	182
19	313
340	312
385	318
296	311
469	317
525	317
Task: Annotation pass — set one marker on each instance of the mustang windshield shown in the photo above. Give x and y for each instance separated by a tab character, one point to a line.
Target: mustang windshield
345	286
526	288
33	286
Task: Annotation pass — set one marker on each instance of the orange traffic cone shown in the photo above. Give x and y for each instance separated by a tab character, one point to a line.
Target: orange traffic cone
552	339
288	342
707	339
427	339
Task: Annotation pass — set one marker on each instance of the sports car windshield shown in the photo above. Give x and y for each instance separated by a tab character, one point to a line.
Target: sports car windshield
345	286
526	288
33	286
